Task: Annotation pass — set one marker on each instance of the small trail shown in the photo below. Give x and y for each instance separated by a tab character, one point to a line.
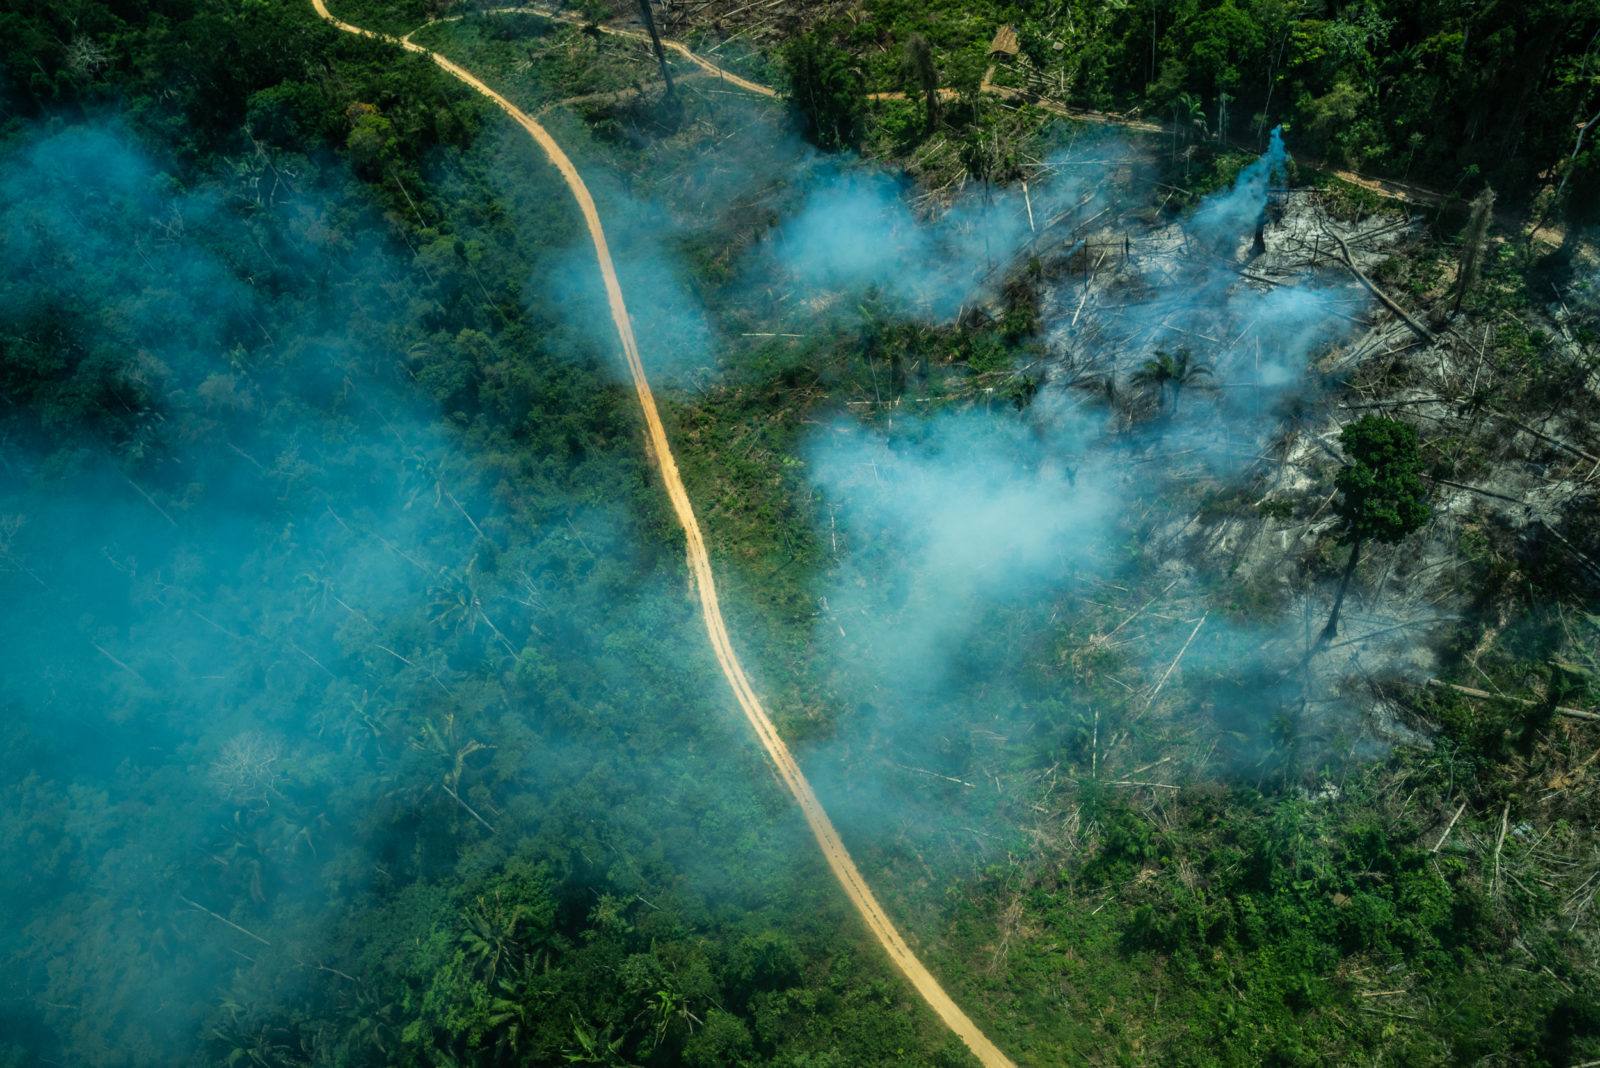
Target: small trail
1004	92
573	20
844	868
1392	188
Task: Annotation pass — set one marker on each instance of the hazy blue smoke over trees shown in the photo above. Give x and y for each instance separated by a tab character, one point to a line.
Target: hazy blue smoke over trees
283	643
338	578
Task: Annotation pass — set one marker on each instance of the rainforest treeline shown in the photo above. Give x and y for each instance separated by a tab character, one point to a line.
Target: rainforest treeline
1445	93
1434	91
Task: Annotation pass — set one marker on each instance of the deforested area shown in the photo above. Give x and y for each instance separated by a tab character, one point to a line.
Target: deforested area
705	533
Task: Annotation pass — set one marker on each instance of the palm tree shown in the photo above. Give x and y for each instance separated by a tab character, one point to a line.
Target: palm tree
595	1046
1169	374
490	939
1188	118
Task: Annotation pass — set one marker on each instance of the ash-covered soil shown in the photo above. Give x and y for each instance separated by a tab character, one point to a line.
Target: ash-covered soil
1290	346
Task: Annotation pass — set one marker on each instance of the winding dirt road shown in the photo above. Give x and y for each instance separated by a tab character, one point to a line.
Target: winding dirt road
833	849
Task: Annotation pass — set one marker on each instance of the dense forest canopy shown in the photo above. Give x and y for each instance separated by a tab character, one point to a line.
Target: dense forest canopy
1443	93
358	708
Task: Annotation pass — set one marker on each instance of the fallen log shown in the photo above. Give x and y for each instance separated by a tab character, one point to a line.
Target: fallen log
1574	713
1344	255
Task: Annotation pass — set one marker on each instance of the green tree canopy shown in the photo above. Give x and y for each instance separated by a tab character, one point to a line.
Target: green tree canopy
1381	489
827	90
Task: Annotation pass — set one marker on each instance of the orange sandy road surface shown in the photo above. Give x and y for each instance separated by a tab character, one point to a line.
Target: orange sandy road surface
833	849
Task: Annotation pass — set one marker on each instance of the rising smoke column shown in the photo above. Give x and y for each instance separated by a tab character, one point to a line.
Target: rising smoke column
1223	217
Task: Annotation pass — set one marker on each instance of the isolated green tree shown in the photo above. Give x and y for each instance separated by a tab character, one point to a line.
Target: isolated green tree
963	73
988	160
1381	493
1170	374
827	91
978	157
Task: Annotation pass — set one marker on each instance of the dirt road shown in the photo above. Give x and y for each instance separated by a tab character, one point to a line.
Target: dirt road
833	849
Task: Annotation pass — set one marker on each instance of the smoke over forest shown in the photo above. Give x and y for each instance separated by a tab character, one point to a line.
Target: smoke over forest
284	622
358	704
271	605
275	624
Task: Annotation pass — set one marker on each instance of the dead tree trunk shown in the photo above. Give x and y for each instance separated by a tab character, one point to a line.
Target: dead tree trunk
1338	602
655	39
1372	287
1472	240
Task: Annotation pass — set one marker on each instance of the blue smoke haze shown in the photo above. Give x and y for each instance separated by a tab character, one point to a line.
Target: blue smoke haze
227	668
856	228
1225	218
950	524
326	507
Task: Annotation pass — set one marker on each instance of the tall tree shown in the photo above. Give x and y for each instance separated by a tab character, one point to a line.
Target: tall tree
1472	243
1381	493
917	60
655	40
827	91
1188	119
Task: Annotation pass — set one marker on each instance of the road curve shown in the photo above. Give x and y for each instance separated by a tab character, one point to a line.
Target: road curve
833	849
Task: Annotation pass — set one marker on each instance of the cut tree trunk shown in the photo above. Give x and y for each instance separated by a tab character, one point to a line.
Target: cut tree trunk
1332	628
